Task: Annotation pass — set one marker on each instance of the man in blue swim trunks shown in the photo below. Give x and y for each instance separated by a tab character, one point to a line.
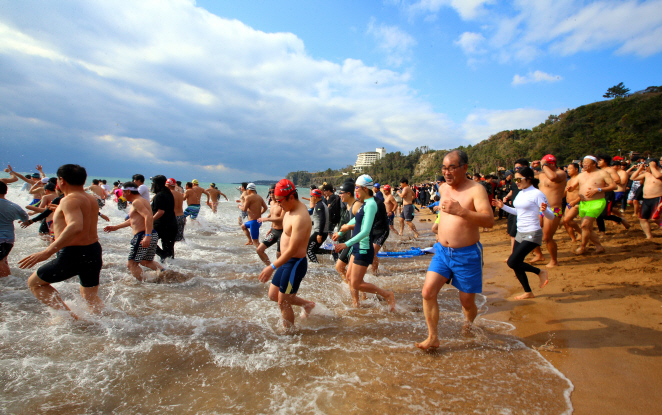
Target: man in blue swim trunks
458	258
292	264
192	196
254	206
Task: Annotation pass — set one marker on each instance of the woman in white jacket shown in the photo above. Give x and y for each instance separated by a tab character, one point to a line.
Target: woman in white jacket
528	205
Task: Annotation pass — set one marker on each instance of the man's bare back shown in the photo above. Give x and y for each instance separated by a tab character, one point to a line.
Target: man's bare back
194	195
82	209
255	206
98	191
179	202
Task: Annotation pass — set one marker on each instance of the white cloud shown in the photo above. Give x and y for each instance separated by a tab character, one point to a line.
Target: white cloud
471	42
534	77
482	123
201	90
467	9
393	41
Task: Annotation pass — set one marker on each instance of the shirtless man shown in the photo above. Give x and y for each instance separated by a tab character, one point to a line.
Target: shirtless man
292	264
651	176
391	207
275	216
193	195
99	192
552	184
592	184
458	256
12	179
214	197
572	198
179	187
145	239
610	212
76	243
243	216
621	194
179	208
254	206
407	214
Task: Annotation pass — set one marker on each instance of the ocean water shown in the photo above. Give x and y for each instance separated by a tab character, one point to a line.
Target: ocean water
214	345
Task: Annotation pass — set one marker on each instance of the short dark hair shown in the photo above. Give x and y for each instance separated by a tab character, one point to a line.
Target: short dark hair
95	181
73	174
327	187
477	175
464	158
3	188
575	164
189	184
52	180
49	187
104	181
131	184
522	162
138	177
244	184
605	157
404	180
179	183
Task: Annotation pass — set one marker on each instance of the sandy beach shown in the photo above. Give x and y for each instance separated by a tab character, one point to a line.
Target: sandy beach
598	321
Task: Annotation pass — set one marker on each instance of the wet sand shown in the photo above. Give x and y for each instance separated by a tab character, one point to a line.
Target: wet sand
598	321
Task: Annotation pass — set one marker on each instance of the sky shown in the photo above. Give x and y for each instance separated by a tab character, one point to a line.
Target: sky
232	91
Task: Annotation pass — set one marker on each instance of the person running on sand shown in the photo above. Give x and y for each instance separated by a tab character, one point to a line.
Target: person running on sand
193	195
76	244
275	216
650	175
610	212
214	197
9	212
592	184
292	265
363	251
458	257
143	243
552	184
407	215
391	206
254	206
528	205
572	208
179	209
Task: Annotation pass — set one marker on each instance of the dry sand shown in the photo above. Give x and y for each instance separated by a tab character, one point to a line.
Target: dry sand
598	321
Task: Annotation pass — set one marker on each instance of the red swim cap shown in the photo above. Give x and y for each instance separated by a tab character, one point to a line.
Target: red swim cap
387	187
316	192
284	188
550	159
171	182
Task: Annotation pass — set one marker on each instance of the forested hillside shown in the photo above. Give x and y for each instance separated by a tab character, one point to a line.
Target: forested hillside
617	126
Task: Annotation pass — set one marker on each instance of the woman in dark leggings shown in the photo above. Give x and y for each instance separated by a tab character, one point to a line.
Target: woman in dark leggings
528	205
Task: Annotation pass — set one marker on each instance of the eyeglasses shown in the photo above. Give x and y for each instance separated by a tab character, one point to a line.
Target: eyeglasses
450	169
517	179
517	168
281	199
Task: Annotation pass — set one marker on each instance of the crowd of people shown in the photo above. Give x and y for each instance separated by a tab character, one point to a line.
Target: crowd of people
351	224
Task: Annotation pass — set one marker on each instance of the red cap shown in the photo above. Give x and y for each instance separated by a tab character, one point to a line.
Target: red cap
617	158
284	188
316	192
387	187
550	159
171	182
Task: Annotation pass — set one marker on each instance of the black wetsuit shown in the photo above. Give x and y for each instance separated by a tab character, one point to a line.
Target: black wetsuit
166	225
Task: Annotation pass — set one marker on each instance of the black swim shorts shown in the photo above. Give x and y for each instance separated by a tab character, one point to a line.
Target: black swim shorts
273	237
407	213
381	239
649	208
84	261
5	249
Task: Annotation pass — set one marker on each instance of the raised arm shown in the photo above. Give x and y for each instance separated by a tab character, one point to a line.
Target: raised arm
655	170
553	174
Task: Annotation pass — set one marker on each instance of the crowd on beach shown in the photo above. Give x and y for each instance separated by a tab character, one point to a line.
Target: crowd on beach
351	224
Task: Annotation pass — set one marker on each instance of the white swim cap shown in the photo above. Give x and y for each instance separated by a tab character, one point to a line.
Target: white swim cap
364	181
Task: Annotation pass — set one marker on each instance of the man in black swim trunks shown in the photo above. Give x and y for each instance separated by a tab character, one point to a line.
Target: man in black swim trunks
76	244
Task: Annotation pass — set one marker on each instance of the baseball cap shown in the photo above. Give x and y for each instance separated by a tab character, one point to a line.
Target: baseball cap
195	181
364	181
251	186
171	182
508	173
316	192
44	180
376	185
549	159
284	188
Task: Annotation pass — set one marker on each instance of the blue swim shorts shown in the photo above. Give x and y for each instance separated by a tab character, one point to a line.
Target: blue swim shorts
463	266
192	211
254	227
289	276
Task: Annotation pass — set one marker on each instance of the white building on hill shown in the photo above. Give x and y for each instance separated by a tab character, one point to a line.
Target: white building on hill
368	159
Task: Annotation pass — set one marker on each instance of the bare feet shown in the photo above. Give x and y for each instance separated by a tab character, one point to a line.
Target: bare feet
416	234
552	264
537	258
580	251
524	296
428	344
307	309
249	243
543	278
625	224
375	265
599	250
391	301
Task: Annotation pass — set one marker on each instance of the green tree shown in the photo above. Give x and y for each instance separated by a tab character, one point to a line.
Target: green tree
617	91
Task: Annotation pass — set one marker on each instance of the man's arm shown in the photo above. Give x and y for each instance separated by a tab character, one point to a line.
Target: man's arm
483	216
41	171
655	170
264	207
221	193
553	174
11	179
20	176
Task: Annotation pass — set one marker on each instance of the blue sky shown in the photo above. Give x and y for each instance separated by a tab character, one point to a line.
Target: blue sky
230	91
